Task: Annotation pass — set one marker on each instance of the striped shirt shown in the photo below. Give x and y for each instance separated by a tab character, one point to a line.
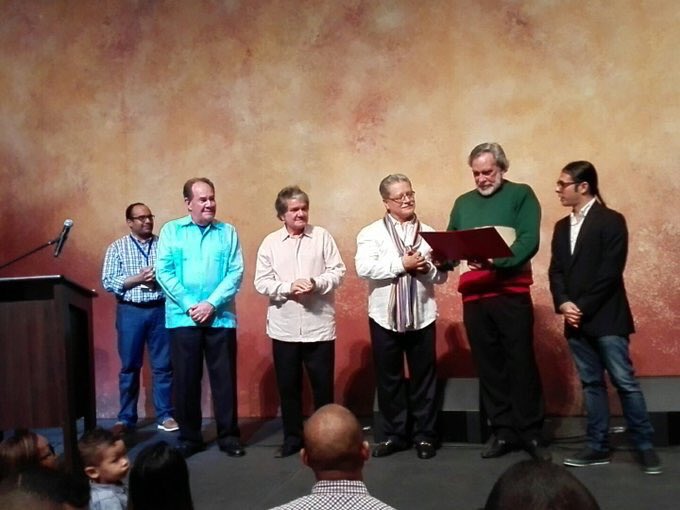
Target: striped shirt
126	257
340	494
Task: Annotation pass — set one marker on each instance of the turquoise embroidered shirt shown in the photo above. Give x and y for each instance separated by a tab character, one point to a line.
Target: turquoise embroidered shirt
194	266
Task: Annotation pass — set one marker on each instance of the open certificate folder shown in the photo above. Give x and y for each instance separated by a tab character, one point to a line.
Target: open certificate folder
474	244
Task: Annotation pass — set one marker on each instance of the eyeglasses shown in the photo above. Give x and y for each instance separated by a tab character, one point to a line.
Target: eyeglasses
561	185
143	217
50	452
404	197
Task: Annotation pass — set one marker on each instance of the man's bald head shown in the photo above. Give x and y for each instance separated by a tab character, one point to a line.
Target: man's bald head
334	443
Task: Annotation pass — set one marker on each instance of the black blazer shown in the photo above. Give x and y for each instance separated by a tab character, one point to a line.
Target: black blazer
592	277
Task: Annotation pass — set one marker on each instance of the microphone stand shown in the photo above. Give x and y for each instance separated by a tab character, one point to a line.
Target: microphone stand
20	257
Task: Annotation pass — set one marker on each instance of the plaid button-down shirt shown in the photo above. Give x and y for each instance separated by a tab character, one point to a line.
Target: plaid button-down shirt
123	259
340	494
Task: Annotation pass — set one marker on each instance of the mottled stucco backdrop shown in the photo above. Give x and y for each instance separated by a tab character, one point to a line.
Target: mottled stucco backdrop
107	103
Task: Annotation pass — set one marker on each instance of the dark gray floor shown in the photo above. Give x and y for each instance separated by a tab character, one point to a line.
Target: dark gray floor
457	478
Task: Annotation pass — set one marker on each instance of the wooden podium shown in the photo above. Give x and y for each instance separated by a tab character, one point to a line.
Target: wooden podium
46	356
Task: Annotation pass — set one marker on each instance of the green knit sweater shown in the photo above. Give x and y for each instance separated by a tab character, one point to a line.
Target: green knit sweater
515	211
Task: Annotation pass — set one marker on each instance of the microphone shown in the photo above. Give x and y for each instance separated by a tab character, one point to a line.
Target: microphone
62	237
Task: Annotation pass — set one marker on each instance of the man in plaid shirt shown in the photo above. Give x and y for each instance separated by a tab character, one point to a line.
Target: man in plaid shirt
336	451
129	274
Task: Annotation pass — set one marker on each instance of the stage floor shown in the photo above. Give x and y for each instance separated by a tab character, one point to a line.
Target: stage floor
456	478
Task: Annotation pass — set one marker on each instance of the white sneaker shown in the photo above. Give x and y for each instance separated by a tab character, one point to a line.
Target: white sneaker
168	425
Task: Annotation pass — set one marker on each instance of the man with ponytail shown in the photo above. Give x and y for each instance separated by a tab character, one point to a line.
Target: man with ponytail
589	249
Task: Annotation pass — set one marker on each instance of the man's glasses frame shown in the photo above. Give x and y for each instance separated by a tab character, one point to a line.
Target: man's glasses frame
561	185
408	196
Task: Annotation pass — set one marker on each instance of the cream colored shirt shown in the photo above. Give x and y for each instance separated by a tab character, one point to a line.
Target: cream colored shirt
576	221
282	259
378	261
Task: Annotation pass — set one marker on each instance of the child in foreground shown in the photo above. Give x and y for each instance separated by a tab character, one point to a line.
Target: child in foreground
106	464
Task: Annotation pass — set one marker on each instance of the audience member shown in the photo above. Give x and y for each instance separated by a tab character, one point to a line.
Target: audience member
159	480
105	462
539	485
334	448
42	488
25	449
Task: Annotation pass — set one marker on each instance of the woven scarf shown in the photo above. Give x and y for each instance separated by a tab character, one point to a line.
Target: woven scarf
401	309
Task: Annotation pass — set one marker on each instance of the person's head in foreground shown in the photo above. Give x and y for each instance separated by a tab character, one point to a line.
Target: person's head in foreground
104	456
334	444
25	449
159	480
44	488
539	485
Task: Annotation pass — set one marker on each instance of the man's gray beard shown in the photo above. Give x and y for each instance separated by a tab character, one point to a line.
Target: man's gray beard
490	191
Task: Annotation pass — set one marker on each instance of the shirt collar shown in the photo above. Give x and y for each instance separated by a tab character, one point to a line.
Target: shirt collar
142	241
396	222
583	212
333	486
187	221
283	233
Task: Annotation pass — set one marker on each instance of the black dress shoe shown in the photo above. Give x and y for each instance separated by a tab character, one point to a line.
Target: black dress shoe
388	448
286	451
425	449
534	448
189	448
499	448
233	449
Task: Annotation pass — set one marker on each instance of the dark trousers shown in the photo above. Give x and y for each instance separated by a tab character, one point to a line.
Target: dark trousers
318	359
397	397
500	331
189	345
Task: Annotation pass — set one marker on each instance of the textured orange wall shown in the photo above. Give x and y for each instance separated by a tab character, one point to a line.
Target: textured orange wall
105	103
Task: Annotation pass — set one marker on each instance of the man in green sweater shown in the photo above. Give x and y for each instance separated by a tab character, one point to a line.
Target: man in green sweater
497	307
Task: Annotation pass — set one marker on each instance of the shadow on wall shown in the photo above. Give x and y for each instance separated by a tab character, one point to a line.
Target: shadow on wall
105	394
561	387
269	396
358	379
456	358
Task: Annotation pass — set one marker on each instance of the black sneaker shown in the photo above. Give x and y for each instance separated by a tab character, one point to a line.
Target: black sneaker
588	457
650	462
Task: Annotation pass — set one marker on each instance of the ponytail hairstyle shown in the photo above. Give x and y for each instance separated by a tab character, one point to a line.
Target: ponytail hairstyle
584	171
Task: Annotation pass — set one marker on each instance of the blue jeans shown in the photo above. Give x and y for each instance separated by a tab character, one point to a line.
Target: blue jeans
137	326
594	355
